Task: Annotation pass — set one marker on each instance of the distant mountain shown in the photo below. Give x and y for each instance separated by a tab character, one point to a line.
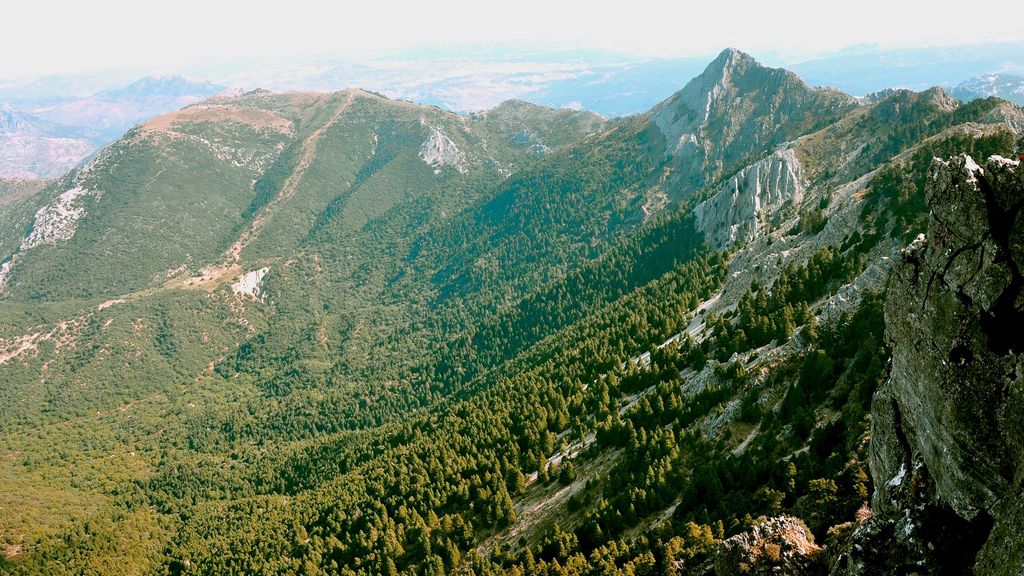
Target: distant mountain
14	121
33	147
56	88
310	332
111	112
871	70
1006	86
45	141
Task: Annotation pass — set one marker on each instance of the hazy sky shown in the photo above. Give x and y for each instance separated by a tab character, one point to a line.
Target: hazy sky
42	37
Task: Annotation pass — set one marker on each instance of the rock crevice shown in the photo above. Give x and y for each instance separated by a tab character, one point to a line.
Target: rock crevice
953	405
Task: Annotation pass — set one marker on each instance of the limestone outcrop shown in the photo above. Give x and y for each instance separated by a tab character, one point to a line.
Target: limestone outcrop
948	426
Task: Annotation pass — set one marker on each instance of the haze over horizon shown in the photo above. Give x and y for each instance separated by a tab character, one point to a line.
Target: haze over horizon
504	290
190	33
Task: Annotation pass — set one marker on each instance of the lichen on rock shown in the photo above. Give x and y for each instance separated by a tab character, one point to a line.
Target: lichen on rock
782	545
948	425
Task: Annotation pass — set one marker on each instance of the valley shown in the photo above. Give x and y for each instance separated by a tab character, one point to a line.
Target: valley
337	333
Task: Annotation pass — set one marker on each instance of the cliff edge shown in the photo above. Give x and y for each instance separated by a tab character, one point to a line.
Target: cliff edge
947	446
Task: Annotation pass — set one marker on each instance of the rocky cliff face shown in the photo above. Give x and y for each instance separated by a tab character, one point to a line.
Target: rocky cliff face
737	105
740	208
948	426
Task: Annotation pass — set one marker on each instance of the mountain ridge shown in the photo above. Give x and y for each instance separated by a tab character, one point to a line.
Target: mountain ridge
317	332
707	110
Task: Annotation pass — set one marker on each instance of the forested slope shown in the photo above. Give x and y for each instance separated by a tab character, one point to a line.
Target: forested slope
307	333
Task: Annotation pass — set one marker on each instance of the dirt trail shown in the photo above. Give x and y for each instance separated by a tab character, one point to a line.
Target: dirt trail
291	184
229	266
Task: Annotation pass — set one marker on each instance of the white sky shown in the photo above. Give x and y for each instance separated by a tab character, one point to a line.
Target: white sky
45	36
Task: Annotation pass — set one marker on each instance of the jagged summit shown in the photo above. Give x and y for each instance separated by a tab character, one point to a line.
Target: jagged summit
737	105
940	99
729	60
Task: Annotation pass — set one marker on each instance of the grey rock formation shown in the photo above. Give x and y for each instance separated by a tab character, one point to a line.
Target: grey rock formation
948	426
782	545
740	208
438	150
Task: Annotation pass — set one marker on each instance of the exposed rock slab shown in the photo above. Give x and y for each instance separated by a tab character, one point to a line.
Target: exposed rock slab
948	425
741	206
438	150
782	545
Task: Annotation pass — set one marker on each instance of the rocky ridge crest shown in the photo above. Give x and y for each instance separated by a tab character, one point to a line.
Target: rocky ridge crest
948	426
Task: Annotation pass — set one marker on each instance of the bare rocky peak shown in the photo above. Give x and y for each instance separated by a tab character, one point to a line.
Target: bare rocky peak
735	106
681	116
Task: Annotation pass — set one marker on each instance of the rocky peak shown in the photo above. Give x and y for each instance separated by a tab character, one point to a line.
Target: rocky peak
681	116
941	99
947	435
875	97
909	106
782	545
731	61
737	105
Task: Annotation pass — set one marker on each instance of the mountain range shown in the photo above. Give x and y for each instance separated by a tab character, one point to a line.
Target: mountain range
98	108
45	139
1009	87
303	333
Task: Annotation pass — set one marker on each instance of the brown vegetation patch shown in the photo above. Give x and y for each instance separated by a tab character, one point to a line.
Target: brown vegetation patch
254	117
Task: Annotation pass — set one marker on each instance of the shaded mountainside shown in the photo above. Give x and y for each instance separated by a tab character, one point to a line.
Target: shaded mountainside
314	333
946	432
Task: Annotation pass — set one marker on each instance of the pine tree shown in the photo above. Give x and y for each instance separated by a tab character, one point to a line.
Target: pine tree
504	510
566	473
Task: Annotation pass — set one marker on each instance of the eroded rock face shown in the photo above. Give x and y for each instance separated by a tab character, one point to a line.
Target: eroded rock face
741	207
780	545
438	151
948	426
